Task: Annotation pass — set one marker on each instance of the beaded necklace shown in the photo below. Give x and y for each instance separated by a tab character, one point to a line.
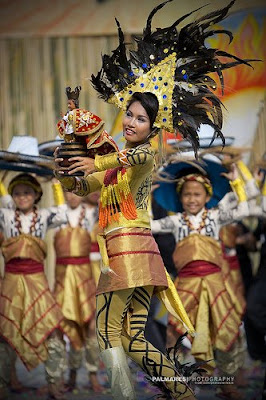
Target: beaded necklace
82	215
116	197
190	225
33	222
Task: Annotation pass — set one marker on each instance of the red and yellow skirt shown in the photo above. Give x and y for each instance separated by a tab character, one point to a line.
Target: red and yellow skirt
234	283
211	312
201	288
28	311
134	261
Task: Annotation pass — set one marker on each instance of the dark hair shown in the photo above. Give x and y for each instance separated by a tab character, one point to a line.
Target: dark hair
148	101
28	180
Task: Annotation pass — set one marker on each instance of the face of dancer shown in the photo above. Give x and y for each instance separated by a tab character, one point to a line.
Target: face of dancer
71	105
72	200
136	125
193	197
24	198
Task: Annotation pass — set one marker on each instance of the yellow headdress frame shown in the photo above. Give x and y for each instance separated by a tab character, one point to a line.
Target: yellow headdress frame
160	80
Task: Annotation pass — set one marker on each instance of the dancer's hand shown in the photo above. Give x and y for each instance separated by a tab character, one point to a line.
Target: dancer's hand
58	169
232	174
154	187
84	164
258	175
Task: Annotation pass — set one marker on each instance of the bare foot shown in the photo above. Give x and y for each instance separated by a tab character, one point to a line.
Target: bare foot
240	379
43	390
55	392
15	384
229	392
95	384
71	384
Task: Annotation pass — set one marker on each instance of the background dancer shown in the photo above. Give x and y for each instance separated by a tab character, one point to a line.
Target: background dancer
29	314
75	288
199	260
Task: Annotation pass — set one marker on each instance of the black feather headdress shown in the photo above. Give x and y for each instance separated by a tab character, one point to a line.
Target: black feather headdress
174	65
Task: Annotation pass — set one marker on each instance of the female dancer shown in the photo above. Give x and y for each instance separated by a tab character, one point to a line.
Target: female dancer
163	84
135	269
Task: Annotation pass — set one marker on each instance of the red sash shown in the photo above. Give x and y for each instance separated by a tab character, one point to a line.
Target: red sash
72	260
198	268
232	261
94	247
23	266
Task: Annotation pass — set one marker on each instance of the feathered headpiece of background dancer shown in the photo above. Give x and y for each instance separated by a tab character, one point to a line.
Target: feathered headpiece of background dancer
174	65
233	154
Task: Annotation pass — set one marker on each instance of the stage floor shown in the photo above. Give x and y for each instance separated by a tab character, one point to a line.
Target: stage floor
36	380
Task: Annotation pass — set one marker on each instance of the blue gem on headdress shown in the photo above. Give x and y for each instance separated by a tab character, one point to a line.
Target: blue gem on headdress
121	99
165	108
131	73
185	76
144	65
164	96
156	87
164	119
142	84
165	83
160	78
154	79
130	92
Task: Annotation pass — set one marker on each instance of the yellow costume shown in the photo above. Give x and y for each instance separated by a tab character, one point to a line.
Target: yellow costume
123	215
29	312
132	268
201	288
231	269
75	287
95	255
185	100
207	296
